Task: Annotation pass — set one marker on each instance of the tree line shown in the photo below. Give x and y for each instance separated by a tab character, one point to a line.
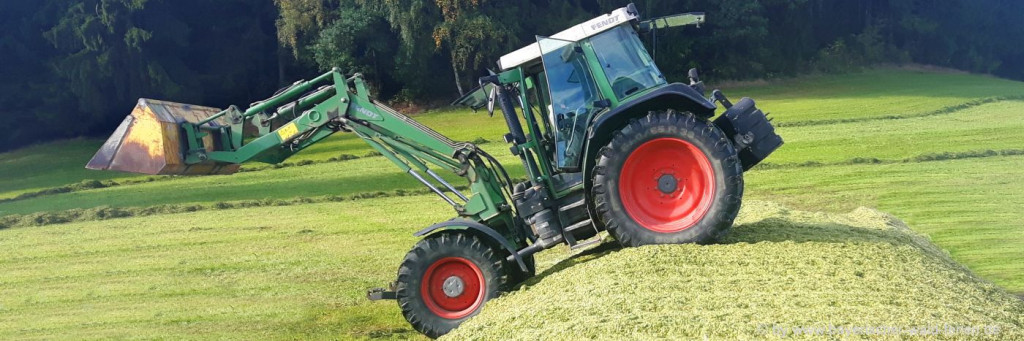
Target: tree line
76	67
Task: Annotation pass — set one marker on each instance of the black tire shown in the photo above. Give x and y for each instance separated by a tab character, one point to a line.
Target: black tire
652	138
447	254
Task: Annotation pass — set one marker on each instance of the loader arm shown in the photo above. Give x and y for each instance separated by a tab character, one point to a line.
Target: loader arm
314	109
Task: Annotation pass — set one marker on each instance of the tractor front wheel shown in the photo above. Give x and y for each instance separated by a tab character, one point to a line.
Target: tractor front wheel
446	279
668	178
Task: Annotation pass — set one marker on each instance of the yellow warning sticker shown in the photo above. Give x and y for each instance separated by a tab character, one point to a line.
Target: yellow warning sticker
287	131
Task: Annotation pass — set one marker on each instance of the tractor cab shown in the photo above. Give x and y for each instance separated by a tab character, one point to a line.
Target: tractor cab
586	78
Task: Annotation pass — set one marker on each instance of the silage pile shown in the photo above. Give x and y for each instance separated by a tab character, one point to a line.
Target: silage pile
780	273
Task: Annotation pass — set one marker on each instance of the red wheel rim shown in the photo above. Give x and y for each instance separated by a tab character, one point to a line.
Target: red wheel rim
667	185
454	304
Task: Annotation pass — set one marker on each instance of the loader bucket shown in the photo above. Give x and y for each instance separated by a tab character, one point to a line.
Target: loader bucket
150	141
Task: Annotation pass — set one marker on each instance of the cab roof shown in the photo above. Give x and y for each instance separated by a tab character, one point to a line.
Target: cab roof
576	33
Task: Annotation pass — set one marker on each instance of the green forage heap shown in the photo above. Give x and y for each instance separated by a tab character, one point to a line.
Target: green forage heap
777	272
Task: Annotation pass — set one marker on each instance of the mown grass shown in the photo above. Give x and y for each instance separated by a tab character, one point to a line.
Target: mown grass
235	274
108	213
255	273
341	178
873	94
49	165
277	272
60	164
990	126
969	206
778	271
955	176
974	131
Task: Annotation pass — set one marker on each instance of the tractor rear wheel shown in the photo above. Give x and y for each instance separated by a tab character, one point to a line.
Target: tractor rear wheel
446	279
668	178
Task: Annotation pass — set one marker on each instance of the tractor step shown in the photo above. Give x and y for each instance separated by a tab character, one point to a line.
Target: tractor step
579	225
596	240
583	244
573	205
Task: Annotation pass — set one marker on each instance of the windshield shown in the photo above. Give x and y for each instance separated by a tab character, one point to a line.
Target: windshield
625	62
573	93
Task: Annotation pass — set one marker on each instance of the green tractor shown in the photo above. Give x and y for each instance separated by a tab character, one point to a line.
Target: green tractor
608	144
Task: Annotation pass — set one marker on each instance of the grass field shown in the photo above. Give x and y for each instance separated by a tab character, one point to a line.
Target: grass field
943	151
49	165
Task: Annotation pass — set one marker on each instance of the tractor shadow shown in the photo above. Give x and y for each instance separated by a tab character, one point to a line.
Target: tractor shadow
607	246
768	230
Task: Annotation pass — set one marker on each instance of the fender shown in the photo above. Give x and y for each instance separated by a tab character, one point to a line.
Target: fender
676	95
463	225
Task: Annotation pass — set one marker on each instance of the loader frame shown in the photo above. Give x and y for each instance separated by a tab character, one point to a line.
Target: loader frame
331	103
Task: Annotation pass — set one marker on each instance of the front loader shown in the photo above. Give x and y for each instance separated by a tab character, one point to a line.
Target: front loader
607	143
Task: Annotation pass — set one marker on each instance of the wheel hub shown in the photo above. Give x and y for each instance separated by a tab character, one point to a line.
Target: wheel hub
453	286
667	184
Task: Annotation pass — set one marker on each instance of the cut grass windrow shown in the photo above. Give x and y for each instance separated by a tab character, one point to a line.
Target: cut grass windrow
82	186
107	212
943	111
340	158
929	157
96	184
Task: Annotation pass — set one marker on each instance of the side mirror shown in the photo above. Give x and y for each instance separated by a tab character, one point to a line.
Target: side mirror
694	76
695	82
490	100
677	20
